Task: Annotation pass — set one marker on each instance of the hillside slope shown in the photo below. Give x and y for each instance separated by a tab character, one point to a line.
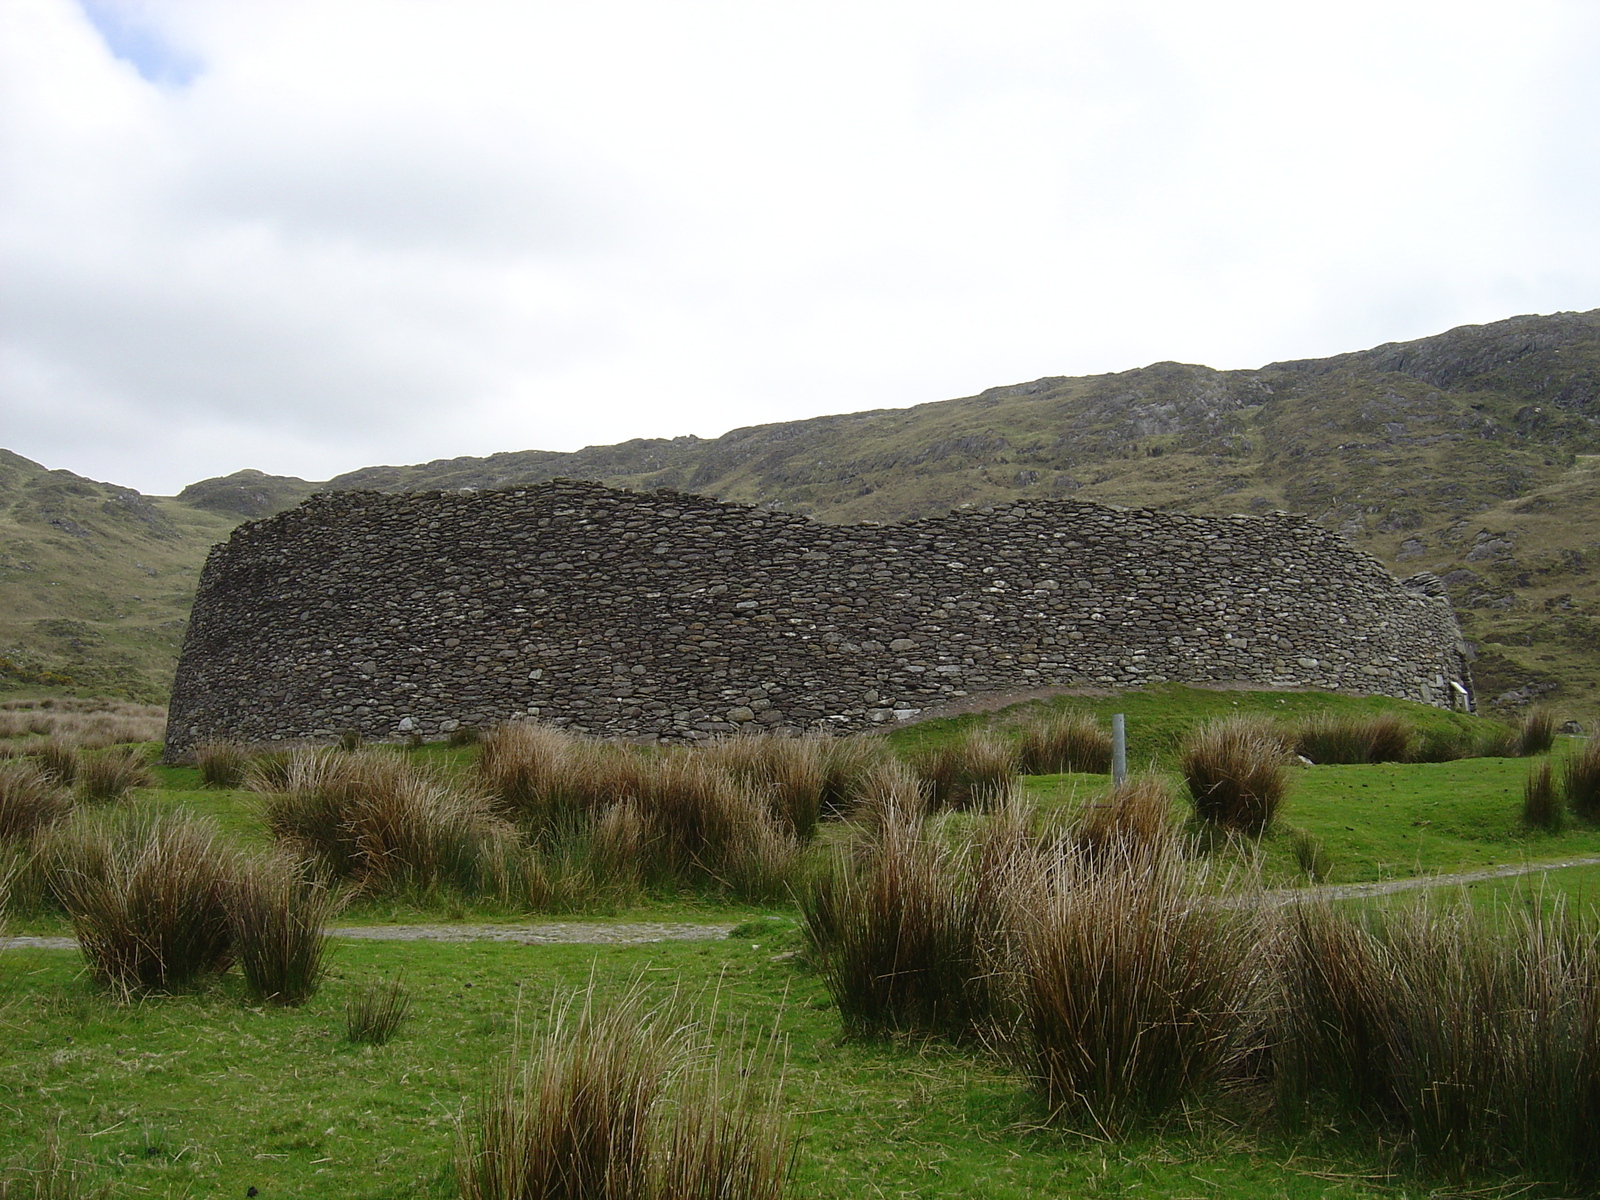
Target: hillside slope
95	581
1474	453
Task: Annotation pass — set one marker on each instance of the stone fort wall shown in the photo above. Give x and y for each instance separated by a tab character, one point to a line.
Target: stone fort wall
675	616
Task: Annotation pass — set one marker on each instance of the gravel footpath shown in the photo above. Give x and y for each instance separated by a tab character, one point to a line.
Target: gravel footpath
557	933
1388	887
581	933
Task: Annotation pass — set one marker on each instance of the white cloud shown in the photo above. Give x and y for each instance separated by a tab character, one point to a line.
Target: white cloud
308	236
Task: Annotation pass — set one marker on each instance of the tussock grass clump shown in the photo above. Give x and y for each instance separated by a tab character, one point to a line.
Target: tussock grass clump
849	764
1580	779
279	920
1536	732
627	1101
222	764
701	828
1541	800
1236	775
1496	1039
30	801
731	817
790	774
1070	741
904	928
268	771
1137	816
148	894
111	774
1136	993
551	782
375	1013
1444	745
1340	738
377	819
1335	1012
1498	742
973	771
1475	1034
891	786
60	759
1310	855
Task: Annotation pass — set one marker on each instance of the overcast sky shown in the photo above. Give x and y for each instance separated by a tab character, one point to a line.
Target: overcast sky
312	236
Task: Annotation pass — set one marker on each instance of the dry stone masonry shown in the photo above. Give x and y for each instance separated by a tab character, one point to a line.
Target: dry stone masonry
671	616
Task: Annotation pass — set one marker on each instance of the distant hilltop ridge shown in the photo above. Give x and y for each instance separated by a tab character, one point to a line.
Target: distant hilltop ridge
667	616
1471	454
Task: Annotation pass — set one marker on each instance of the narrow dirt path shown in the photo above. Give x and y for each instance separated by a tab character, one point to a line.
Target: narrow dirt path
582	933
1416	883
587	933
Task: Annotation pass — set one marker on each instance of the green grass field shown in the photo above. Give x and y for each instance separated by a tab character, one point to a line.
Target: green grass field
207	1094
204	1095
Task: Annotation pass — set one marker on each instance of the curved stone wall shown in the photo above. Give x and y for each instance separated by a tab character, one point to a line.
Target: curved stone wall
675	616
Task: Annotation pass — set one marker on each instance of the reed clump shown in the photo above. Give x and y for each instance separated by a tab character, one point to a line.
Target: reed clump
1580	779
789	774
975	770
1535	732
1137	995
376	819
109	775
731	818
1236	774
1070	741
222	764
1341	738
1474	1035
1131	818
374	1014
1542	806
903	928
700	829
30	801
279	921
148	894
630	1100
59	758
1334	1012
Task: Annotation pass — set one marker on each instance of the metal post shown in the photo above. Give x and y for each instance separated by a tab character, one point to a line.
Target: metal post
1119	750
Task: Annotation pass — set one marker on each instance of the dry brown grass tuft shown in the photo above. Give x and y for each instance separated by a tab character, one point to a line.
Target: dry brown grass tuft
973	771
60	759
148	894
30	801
1136	993
222	764
375	818
1337	738
109	775
1541	799
626	1101
1069	741
790	774
906	929
1580	779
1137	815
1236	773
279	918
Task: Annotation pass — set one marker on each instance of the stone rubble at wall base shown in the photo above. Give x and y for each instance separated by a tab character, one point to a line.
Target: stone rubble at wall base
672	616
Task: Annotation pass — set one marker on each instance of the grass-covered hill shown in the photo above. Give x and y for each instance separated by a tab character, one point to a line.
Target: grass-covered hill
1474	454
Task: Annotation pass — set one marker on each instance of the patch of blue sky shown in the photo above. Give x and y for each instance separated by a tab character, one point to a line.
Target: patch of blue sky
133	39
